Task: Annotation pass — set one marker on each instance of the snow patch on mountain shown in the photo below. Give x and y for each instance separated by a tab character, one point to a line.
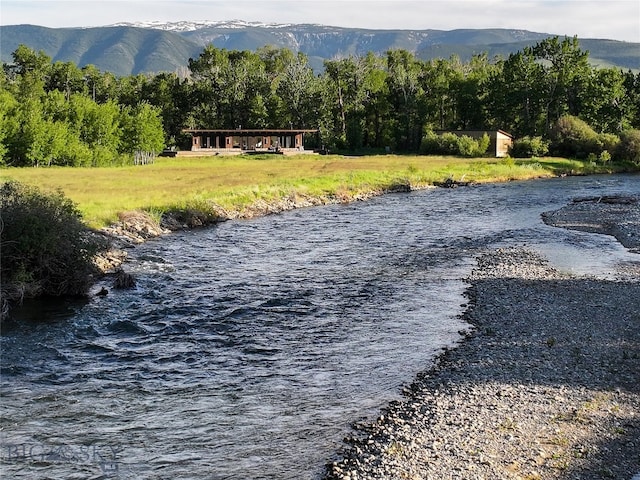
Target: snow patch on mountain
191	25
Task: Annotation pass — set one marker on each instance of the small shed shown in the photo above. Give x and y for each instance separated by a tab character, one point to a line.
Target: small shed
247	140
499	140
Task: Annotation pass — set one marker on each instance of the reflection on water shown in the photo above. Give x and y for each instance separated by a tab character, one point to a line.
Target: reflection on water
45	310
247	349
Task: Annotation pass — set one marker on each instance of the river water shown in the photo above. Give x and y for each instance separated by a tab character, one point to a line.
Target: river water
247	349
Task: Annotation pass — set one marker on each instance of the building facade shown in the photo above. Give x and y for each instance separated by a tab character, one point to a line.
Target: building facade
248	140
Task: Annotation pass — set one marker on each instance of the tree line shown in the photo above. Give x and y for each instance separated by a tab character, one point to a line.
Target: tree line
58	113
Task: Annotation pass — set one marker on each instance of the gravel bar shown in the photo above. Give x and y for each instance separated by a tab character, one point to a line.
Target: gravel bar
546	384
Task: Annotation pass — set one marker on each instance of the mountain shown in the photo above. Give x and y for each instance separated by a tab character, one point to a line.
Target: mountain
118	49
602	53
125	49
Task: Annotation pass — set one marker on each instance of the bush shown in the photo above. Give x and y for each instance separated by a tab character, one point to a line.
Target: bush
629	147
470	147
528	147
451	144
434	144
572	137
608	142
604	157
46	249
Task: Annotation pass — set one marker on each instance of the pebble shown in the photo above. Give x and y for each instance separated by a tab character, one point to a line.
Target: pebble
540	387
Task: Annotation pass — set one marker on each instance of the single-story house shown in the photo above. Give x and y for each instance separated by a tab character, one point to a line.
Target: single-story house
247	140
500	141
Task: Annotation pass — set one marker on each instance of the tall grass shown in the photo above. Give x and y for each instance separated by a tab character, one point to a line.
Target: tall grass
237	183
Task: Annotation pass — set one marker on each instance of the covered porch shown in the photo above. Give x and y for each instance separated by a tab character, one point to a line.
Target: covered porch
239	140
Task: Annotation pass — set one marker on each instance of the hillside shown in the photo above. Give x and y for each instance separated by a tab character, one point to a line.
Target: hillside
602	53
121	50
126	49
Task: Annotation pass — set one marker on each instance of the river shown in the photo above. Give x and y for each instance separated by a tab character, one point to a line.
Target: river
248	348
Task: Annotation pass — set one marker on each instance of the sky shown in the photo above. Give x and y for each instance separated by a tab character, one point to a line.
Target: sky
611	19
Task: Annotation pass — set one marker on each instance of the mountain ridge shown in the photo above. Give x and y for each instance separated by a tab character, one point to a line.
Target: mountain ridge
152	47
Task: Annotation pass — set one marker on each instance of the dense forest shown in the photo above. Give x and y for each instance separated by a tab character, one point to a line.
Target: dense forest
60	114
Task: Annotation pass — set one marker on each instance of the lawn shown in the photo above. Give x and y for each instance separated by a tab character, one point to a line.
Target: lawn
237	182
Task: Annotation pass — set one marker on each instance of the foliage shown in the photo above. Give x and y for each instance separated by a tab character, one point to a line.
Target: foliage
50	115
629	147
528	147
45	247
142	128
449	143
470	147
59	114
573	137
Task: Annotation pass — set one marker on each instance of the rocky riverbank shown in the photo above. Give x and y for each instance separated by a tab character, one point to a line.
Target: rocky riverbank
545	386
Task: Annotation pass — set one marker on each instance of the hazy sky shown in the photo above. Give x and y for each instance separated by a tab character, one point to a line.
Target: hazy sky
613	19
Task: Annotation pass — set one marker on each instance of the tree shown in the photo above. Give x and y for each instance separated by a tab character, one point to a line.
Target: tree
344	96
30	142
437	79
632	97
97	126
375	102
129	89
567	71
515	99
227	85
335	79
65	77
143	135
470	91
29	62
246	81
603	102
8	124
296	89
99	86
406	97
170	95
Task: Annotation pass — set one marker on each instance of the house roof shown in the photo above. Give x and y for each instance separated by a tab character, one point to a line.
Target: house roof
252	131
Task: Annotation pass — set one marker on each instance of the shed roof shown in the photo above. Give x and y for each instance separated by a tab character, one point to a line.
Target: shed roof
476	132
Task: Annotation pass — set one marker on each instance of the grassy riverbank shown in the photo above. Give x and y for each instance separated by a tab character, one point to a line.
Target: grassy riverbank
238	183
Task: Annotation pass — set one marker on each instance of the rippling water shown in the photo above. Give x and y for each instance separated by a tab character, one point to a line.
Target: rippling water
247	349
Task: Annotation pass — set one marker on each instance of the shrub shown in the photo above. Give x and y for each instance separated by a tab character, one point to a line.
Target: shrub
608	142
45	247
629	147
572	137
605	157
470	147
467	146
445	144
528	147
451	144
430	143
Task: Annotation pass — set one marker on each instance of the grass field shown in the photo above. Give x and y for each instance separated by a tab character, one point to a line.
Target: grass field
235	183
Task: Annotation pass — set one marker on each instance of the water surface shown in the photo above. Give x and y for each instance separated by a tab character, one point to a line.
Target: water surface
248	348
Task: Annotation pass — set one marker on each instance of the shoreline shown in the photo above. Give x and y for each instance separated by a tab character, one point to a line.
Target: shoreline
546	386
137	227
464	408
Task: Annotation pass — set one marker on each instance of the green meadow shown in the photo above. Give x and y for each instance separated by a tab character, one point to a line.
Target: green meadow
238	182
